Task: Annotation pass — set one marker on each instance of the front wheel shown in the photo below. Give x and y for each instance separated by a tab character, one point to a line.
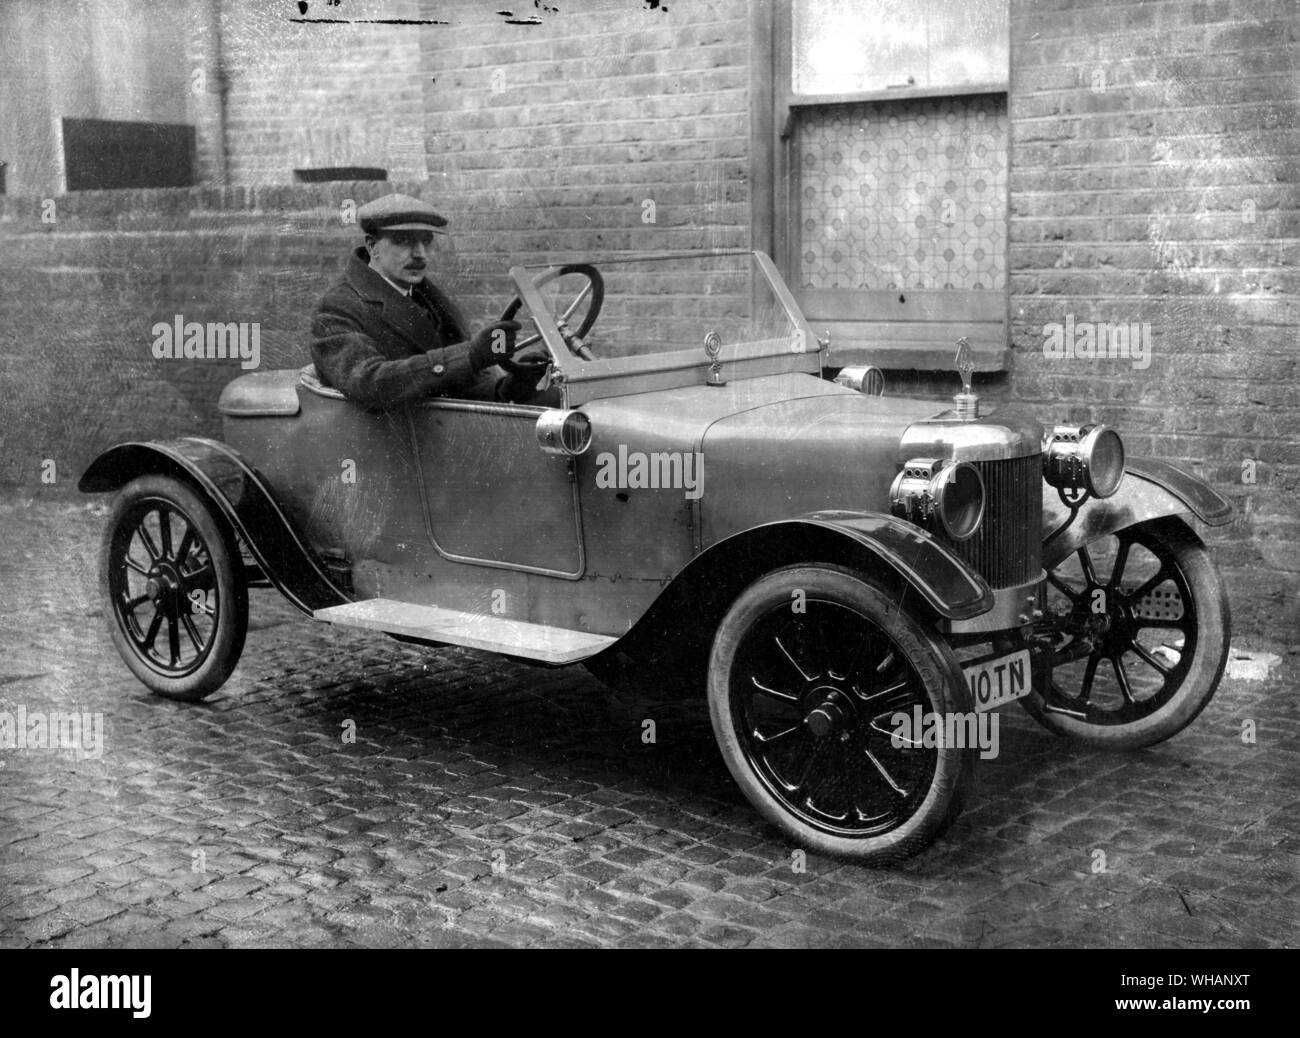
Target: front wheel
1145	612
173	587
812	672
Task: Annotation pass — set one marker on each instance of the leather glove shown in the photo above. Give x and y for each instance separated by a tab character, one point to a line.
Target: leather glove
493	344
528	365
515	390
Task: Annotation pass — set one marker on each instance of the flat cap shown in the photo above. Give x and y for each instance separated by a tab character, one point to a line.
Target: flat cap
399	213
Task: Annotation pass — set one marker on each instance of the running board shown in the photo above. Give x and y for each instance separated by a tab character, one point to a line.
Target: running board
470	630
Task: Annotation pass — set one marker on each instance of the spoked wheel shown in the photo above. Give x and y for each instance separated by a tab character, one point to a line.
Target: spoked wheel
174	591
810	670
1149	617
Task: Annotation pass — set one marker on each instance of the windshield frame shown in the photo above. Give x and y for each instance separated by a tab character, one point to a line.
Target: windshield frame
573	369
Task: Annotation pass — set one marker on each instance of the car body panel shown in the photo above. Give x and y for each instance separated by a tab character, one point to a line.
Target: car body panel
378	519
393	518
340	472
491	496
616	519
833	450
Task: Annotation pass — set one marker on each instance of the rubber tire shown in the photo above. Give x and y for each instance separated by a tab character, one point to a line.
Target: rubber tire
232	589
1213	637
934	661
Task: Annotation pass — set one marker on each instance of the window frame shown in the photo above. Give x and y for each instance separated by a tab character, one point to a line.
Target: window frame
775	206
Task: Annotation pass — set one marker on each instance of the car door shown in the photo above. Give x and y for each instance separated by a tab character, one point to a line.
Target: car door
491	495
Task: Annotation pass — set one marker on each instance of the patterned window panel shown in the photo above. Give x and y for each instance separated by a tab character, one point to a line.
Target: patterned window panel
904	194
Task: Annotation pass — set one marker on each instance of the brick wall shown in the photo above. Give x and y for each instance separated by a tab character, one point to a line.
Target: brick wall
316	94
113	59
81	296
294	94
1153	180
603	127
557	137
594	113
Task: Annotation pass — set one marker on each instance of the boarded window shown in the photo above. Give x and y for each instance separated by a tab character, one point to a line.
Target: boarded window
903	221
103	154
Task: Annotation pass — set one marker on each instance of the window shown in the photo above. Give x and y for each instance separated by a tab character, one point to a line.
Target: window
890	185
850	46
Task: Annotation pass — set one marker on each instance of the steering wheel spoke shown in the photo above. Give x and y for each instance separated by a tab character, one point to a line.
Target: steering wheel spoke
577	301
522	344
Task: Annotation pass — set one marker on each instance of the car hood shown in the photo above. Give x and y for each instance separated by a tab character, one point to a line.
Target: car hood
772	447
795	456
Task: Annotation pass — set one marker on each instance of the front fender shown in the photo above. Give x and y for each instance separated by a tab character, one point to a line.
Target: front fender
947	583
673	637
1150	489
238	493
860	540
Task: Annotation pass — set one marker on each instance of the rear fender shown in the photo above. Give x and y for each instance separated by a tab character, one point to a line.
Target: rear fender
1150	489
239	494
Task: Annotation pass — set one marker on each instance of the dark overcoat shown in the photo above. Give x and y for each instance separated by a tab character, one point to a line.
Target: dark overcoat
385	350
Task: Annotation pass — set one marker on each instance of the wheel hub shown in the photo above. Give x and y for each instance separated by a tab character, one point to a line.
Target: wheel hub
162	582
831	714
1112	628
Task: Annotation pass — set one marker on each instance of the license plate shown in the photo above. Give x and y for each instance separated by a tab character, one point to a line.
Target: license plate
998	681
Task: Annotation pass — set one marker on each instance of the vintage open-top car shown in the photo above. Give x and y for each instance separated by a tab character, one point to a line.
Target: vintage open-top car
715	509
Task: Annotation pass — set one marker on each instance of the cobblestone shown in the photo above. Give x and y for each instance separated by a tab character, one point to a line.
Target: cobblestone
489	804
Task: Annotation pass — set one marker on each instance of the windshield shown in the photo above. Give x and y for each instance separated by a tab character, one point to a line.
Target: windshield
659	305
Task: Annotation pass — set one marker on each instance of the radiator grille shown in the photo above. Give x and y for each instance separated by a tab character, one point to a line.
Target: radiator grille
1007	548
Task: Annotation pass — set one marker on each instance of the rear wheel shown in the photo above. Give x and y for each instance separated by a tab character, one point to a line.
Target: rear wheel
173	586
1149	617
811	670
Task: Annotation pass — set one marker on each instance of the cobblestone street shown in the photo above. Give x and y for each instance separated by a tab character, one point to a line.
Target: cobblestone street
487	803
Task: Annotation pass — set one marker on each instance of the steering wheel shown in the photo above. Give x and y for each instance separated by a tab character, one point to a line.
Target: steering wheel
595	288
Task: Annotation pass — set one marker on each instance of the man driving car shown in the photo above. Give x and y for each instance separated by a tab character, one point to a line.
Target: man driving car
387	336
